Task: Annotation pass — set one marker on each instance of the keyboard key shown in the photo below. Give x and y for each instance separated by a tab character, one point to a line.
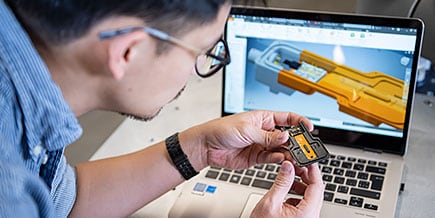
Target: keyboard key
271	176
350	173
262	184
356	202
371	206
330	187
362	175
259	166
335	163
372	169
351	182
326	169
338	171
346	165
365	193
328	196
235	179
343	189
239	171
212	174
340	157
364	184
351	159
261	174
250	172
246	181
382	164
339	180
270	167
372	162
215	168
327	178
324	162
377	182
224	176
362	161
358	167
340	201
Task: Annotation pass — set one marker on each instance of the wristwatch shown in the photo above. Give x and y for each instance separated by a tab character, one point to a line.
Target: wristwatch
179	158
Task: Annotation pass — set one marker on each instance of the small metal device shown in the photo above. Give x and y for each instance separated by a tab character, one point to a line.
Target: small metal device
305	148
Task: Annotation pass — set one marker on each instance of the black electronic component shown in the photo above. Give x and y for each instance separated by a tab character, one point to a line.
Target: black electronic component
305	148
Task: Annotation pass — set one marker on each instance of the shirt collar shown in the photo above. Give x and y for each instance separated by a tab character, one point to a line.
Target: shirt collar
47	118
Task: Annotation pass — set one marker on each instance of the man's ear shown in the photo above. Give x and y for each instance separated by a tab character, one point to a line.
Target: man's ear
119	50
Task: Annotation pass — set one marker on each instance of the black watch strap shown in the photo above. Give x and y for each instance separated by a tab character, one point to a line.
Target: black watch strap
179	158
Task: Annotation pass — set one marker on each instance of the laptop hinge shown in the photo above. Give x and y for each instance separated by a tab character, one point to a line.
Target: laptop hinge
377	151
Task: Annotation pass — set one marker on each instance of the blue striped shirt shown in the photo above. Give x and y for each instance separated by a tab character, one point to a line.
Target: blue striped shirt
36	124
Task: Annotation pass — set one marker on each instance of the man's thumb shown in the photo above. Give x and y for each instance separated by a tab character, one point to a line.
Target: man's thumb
283	182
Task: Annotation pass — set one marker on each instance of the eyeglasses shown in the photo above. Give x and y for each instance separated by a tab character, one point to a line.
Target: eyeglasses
207	63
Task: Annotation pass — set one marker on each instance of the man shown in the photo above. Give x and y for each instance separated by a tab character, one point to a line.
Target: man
61	59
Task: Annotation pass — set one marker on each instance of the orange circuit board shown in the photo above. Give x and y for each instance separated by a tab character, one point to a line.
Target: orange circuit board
305	148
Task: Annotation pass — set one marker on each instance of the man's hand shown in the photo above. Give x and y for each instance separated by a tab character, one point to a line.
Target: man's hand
243	140
274	203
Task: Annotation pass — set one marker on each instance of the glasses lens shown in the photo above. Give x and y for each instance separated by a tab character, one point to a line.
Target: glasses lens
213	60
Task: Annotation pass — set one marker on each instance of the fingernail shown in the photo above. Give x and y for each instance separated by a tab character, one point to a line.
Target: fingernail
281	137
285	167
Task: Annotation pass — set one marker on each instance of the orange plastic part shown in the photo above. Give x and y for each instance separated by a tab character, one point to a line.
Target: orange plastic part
373	97
305	147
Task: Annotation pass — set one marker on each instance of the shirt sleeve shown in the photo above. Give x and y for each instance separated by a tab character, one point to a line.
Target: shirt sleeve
64	190
22	194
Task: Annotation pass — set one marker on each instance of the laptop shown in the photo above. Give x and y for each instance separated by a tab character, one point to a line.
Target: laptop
352	75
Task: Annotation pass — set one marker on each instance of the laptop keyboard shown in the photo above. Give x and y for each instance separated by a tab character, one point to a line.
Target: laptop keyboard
349	181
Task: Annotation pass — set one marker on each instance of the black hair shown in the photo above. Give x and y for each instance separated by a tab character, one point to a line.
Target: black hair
62	21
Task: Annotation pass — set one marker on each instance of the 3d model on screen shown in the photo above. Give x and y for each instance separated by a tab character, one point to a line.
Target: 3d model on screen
374	97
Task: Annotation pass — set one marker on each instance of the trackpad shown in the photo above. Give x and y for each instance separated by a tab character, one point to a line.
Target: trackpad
250	204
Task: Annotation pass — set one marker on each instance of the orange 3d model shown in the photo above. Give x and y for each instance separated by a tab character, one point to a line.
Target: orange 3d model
374	97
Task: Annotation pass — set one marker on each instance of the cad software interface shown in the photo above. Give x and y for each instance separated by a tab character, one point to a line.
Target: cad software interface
344	76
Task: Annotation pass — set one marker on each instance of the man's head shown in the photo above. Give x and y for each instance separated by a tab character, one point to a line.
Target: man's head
133	73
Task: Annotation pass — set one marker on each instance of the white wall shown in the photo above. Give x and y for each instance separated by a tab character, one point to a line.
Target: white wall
425	11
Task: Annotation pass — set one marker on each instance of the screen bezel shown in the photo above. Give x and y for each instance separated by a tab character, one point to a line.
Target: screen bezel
379	143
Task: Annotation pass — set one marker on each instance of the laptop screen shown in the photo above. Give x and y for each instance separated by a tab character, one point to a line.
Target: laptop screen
353	76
